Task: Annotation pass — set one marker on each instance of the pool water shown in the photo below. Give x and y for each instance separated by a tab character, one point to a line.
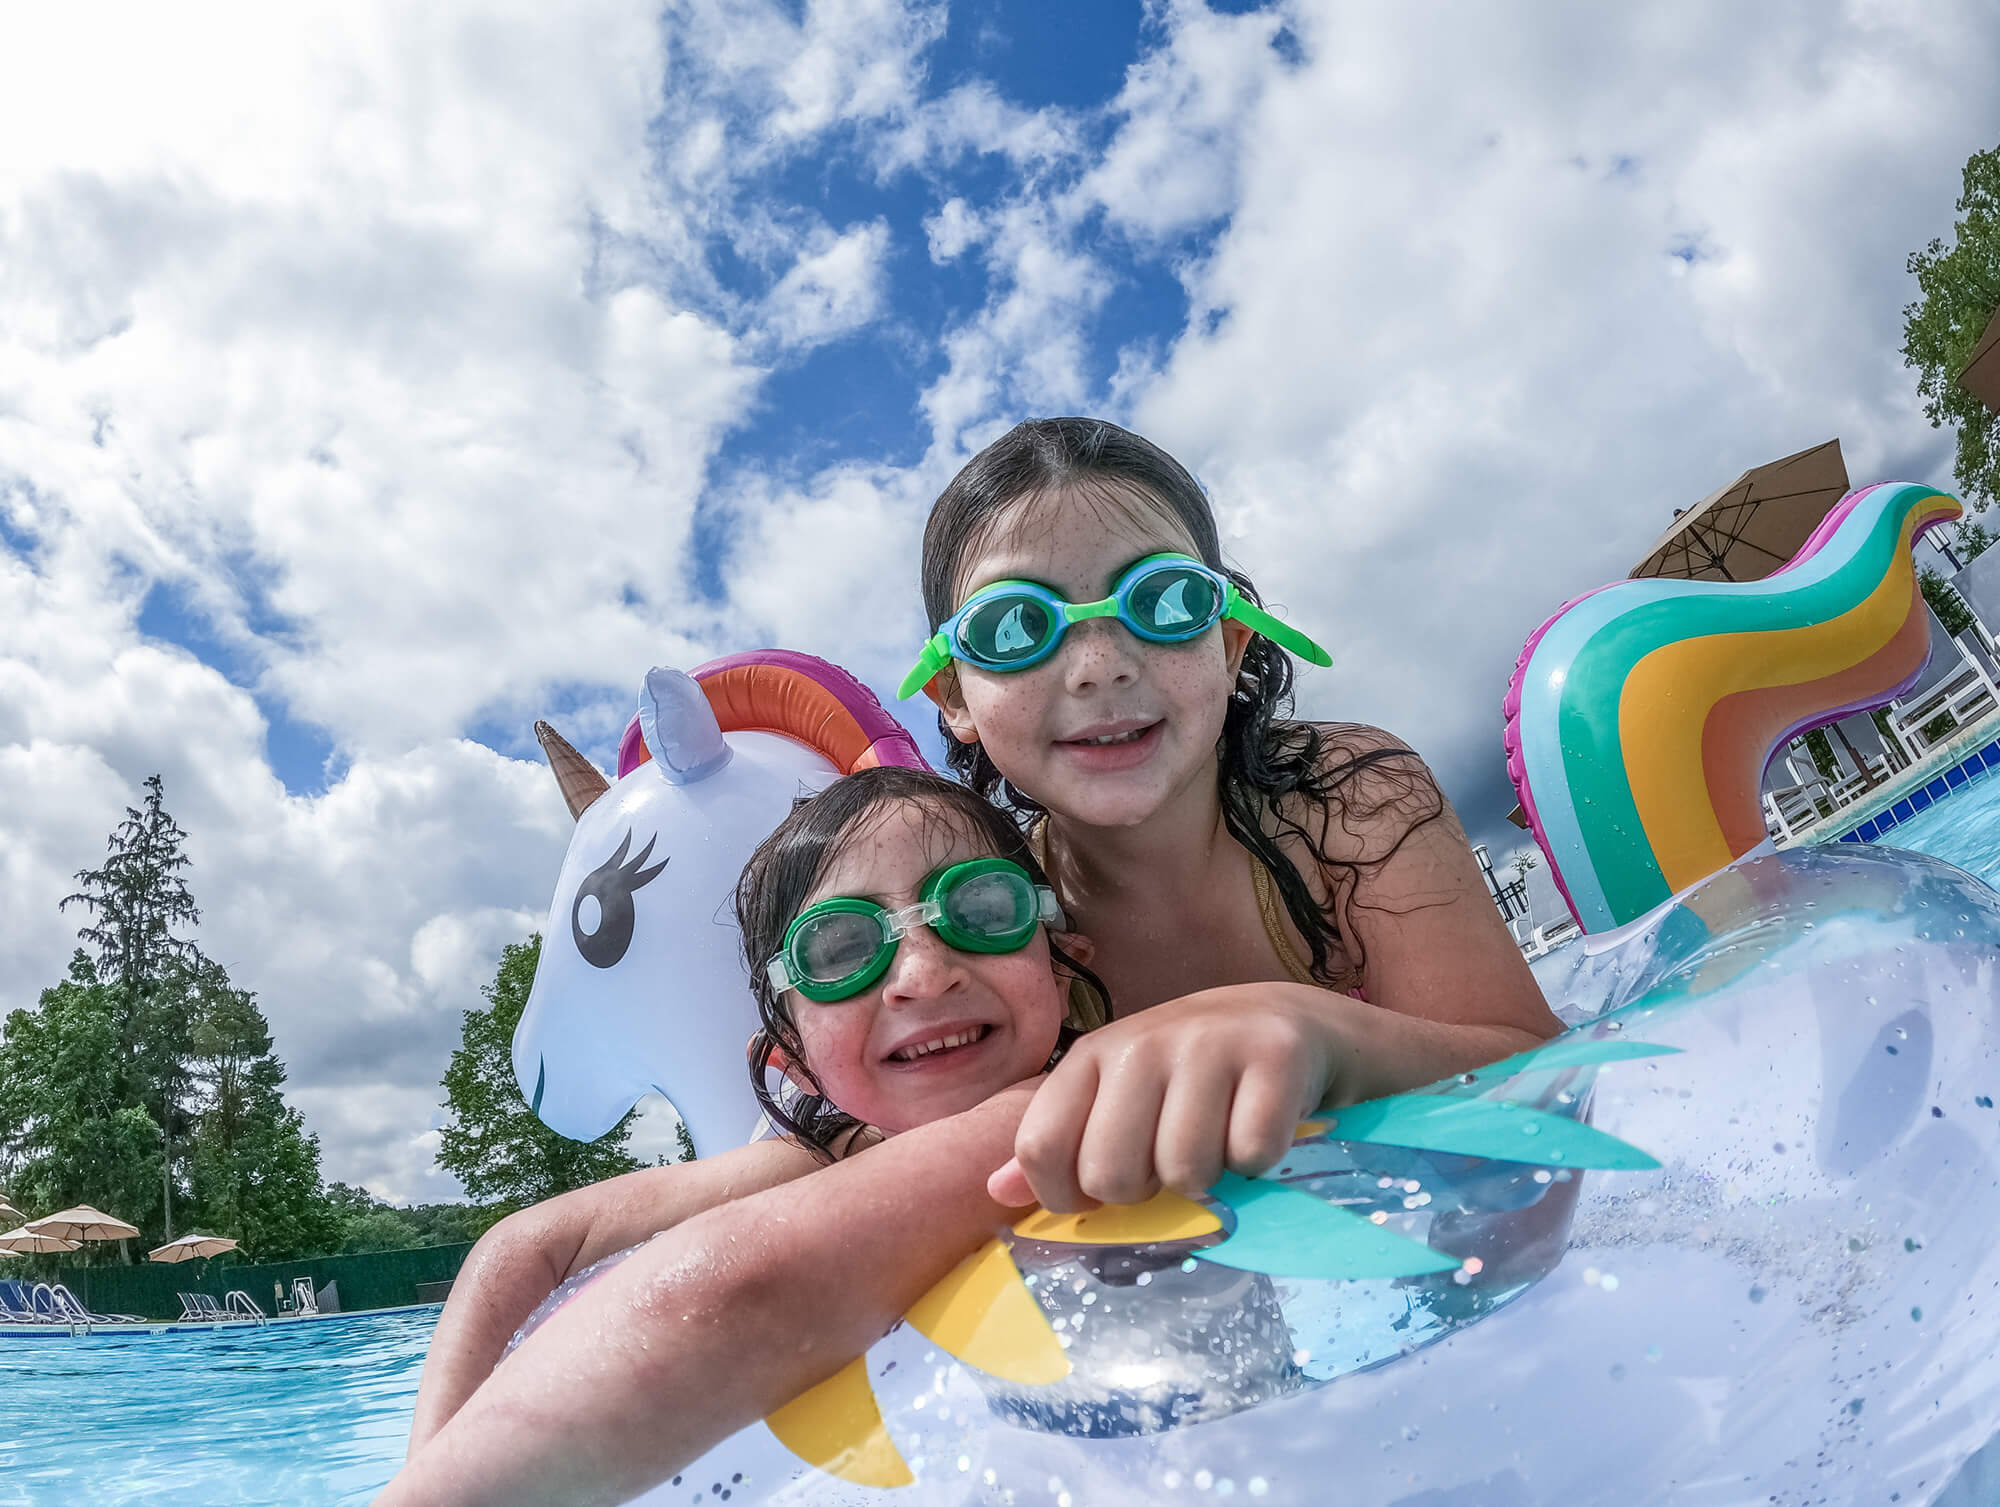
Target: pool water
1964	830
309	1414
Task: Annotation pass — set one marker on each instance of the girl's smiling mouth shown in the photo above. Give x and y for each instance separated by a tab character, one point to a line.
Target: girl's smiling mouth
939	1044
1110	746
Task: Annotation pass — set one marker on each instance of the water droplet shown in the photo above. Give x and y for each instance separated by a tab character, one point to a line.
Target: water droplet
1203	1479
1188	1265
1410	1431
1756	1295
1144	1279
1913	1242
1653	1352
1854	1406
1917	1314
1618	1371
1258	1486
1531	1128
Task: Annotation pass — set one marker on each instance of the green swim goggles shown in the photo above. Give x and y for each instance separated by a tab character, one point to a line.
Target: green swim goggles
837	948
1163	599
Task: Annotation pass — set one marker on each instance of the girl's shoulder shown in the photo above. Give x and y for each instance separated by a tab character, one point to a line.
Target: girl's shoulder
1360	789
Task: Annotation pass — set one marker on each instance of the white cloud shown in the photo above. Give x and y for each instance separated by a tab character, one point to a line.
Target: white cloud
835	287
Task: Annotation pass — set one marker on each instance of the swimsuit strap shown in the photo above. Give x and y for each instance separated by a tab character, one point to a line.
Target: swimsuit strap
1274	926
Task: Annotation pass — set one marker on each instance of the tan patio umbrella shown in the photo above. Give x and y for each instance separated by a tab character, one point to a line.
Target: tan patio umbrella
11	1215
25	1242
190	1246
83	1223
1981	376
1746	530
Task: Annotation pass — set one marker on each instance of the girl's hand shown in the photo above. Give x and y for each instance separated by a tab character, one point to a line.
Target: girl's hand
1177	1094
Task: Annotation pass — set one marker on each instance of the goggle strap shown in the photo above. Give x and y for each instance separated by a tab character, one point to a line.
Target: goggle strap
1255	618
936	655
1051	909
779	976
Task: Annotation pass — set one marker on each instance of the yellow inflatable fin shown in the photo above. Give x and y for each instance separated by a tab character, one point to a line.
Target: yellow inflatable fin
984	1315
837	1426
1164	1216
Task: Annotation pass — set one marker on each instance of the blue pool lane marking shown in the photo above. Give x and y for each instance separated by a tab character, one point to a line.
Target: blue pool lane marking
1285	1233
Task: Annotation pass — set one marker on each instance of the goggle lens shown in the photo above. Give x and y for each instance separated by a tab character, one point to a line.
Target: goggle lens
1173	602
995	906
834	945
1006	629
840	946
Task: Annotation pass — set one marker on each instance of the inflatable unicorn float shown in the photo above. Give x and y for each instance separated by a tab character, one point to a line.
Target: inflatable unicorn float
1729	1239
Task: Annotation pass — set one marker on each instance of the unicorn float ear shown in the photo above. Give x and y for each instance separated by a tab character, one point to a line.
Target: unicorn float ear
680	728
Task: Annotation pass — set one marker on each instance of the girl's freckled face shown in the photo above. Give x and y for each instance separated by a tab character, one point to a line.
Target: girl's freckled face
1003	1010
1109	729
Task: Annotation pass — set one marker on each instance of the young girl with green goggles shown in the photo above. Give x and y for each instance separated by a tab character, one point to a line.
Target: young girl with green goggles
1288	912
914	978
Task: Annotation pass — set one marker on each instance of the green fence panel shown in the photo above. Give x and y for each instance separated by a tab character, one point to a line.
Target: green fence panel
370	1279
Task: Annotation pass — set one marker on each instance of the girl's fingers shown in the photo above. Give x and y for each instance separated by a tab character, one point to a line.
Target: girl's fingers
1115	1161
1263	1119
1008	1186
1051	1134
1189	1148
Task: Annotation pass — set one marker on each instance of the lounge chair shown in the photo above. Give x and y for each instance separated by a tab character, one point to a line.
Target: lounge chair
17	1304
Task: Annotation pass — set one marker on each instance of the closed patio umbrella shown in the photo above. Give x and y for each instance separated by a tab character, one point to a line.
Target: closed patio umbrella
1981	376
190	1246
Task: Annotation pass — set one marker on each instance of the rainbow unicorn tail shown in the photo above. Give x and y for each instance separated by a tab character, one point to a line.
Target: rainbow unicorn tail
1641	716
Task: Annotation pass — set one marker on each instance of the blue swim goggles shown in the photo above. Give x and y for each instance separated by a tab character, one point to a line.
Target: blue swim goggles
1163	599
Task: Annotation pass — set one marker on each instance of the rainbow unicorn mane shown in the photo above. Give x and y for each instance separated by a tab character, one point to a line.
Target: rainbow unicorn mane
1640	718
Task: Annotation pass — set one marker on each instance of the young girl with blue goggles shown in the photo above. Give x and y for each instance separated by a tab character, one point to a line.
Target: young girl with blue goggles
1287	911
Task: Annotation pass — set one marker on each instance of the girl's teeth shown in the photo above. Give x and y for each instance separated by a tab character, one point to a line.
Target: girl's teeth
1110	738
924	1049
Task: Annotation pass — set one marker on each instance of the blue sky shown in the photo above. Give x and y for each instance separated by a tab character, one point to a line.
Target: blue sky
375	381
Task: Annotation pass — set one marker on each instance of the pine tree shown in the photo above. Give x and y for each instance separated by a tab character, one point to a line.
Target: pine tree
137	900
492	1142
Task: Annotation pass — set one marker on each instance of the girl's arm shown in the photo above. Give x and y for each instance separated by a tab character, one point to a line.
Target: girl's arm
1175	1094
720	1322
526	1256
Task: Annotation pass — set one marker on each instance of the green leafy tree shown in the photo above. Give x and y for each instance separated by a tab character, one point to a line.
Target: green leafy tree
137	900
71	1133
1946	603
256	1169
1960	288
491	1141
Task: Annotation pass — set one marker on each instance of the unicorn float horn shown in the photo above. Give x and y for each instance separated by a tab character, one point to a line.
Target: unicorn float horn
579	780
1641	717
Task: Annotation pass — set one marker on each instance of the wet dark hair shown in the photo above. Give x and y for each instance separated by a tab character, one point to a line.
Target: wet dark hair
784	870
1266	762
